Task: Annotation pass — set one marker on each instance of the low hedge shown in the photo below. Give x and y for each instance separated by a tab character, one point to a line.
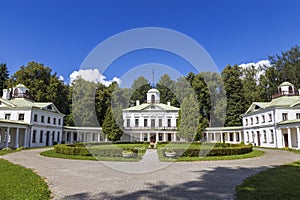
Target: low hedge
215	151
81	150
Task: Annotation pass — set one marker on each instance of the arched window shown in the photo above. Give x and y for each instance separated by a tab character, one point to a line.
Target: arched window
16	92
290	89
152	98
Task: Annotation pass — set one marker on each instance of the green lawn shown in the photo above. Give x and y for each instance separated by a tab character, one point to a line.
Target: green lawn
254	153
3	152
282	182
17	182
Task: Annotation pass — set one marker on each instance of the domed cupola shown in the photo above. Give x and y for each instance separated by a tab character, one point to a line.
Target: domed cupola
153	96
20	91
286	89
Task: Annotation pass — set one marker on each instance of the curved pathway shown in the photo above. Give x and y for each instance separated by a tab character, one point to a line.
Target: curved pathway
82	179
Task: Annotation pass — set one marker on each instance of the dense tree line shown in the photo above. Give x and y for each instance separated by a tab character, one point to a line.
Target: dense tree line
205	99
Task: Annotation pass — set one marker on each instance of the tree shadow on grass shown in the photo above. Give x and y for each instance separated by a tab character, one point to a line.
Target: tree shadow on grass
218	183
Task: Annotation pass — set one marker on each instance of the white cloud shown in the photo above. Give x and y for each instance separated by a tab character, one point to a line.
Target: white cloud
61	78
258	65
92	75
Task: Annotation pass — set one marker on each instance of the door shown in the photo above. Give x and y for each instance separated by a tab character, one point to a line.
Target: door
47	138
286	140
169	137
153	138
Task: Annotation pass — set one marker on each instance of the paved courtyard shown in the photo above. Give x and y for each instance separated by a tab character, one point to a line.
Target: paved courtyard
147	179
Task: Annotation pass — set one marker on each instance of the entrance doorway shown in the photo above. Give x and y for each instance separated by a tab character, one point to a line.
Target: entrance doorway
286	140
169	137
153	138
47	138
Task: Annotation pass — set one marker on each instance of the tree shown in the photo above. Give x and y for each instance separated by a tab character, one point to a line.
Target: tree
4	75
235	98
140	88
110	127
166	87
188	119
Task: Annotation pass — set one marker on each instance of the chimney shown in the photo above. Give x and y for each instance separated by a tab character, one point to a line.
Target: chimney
137	102
6	94
168	103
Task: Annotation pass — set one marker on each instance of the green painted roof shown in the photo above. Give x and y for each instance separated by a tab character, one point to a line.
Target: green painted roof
13	122
146	105
286	84
81	128
289	121
231	128
284	101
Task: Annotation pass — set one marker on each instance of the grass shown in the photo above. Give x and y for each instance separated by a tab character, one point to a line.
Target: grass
52	153
3	151
282	182
254	153
17	182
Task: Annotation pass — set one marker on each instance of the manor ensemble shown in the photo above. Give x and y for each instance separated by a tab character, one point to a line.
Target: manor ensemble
26	123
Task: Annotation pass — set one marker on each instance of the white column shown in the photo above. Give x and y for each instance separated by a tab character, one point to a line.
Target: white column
240	136
7	134
131	137
156	137
214	136
289	138
221	137
148	137
141	136
66	136
174	139
165	138
234	137
98	136
71	137
25	138
298	137
17	138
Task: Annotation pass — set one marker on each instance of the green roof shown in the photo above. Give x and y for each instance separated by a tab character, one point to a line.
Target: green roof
230	128
286	84
289	121
66	128
146	105
284	101
13	122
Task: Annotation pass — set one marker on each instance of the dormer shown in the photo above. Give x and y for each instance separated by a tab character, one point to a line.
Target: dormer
153	96
20	91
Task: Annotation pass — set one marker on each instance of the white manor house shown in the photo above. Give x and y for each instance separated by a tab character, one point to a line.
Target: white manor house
26	123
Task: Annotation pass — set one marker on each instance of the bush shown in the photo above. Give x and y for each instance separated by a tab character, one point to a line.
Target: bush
218	150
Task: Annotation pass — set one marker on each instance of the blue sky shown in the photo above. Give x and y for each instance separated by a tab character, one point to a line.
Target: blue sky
60	34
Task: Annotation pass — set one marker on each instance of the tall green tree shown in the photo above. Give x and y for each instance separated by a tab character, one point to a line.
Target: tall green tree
166	87
110	126
4	76
188	120
139	89
235	98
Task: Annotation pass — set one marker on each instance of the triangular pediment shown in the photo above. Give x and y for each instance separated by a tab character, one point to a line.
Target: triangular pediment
152	107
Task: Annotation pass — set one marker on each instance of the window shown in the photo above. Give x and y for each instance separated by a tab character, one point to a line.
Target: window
42	119
237	137
152	123
263	118
93	137
58	136
160	137
246	121
284	116
251	119
152	98
49	120
49	107
272	136
33	136
265	136
257	120
59	121
297	115
7	116
160	122
128	122
136	122
35	118
169	122
270	117
54	120
231	137
145	122
21	117
41	136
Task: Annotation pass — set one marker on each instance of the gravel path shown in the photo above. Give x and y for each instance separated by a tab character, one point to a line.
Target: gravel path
147	179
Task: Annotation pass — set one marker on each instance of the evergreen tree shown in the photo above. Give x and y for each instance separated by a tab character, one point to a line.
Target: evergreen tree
235	98
166	87
4	75
110	127
140	88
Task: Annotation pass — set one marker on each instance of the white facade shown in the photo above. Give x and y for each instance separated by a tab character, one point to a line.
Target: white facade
274	124
152	121
27	123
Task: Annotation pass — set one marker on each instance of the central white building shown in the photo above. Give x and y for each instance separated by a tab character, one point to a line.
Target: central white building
151	121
